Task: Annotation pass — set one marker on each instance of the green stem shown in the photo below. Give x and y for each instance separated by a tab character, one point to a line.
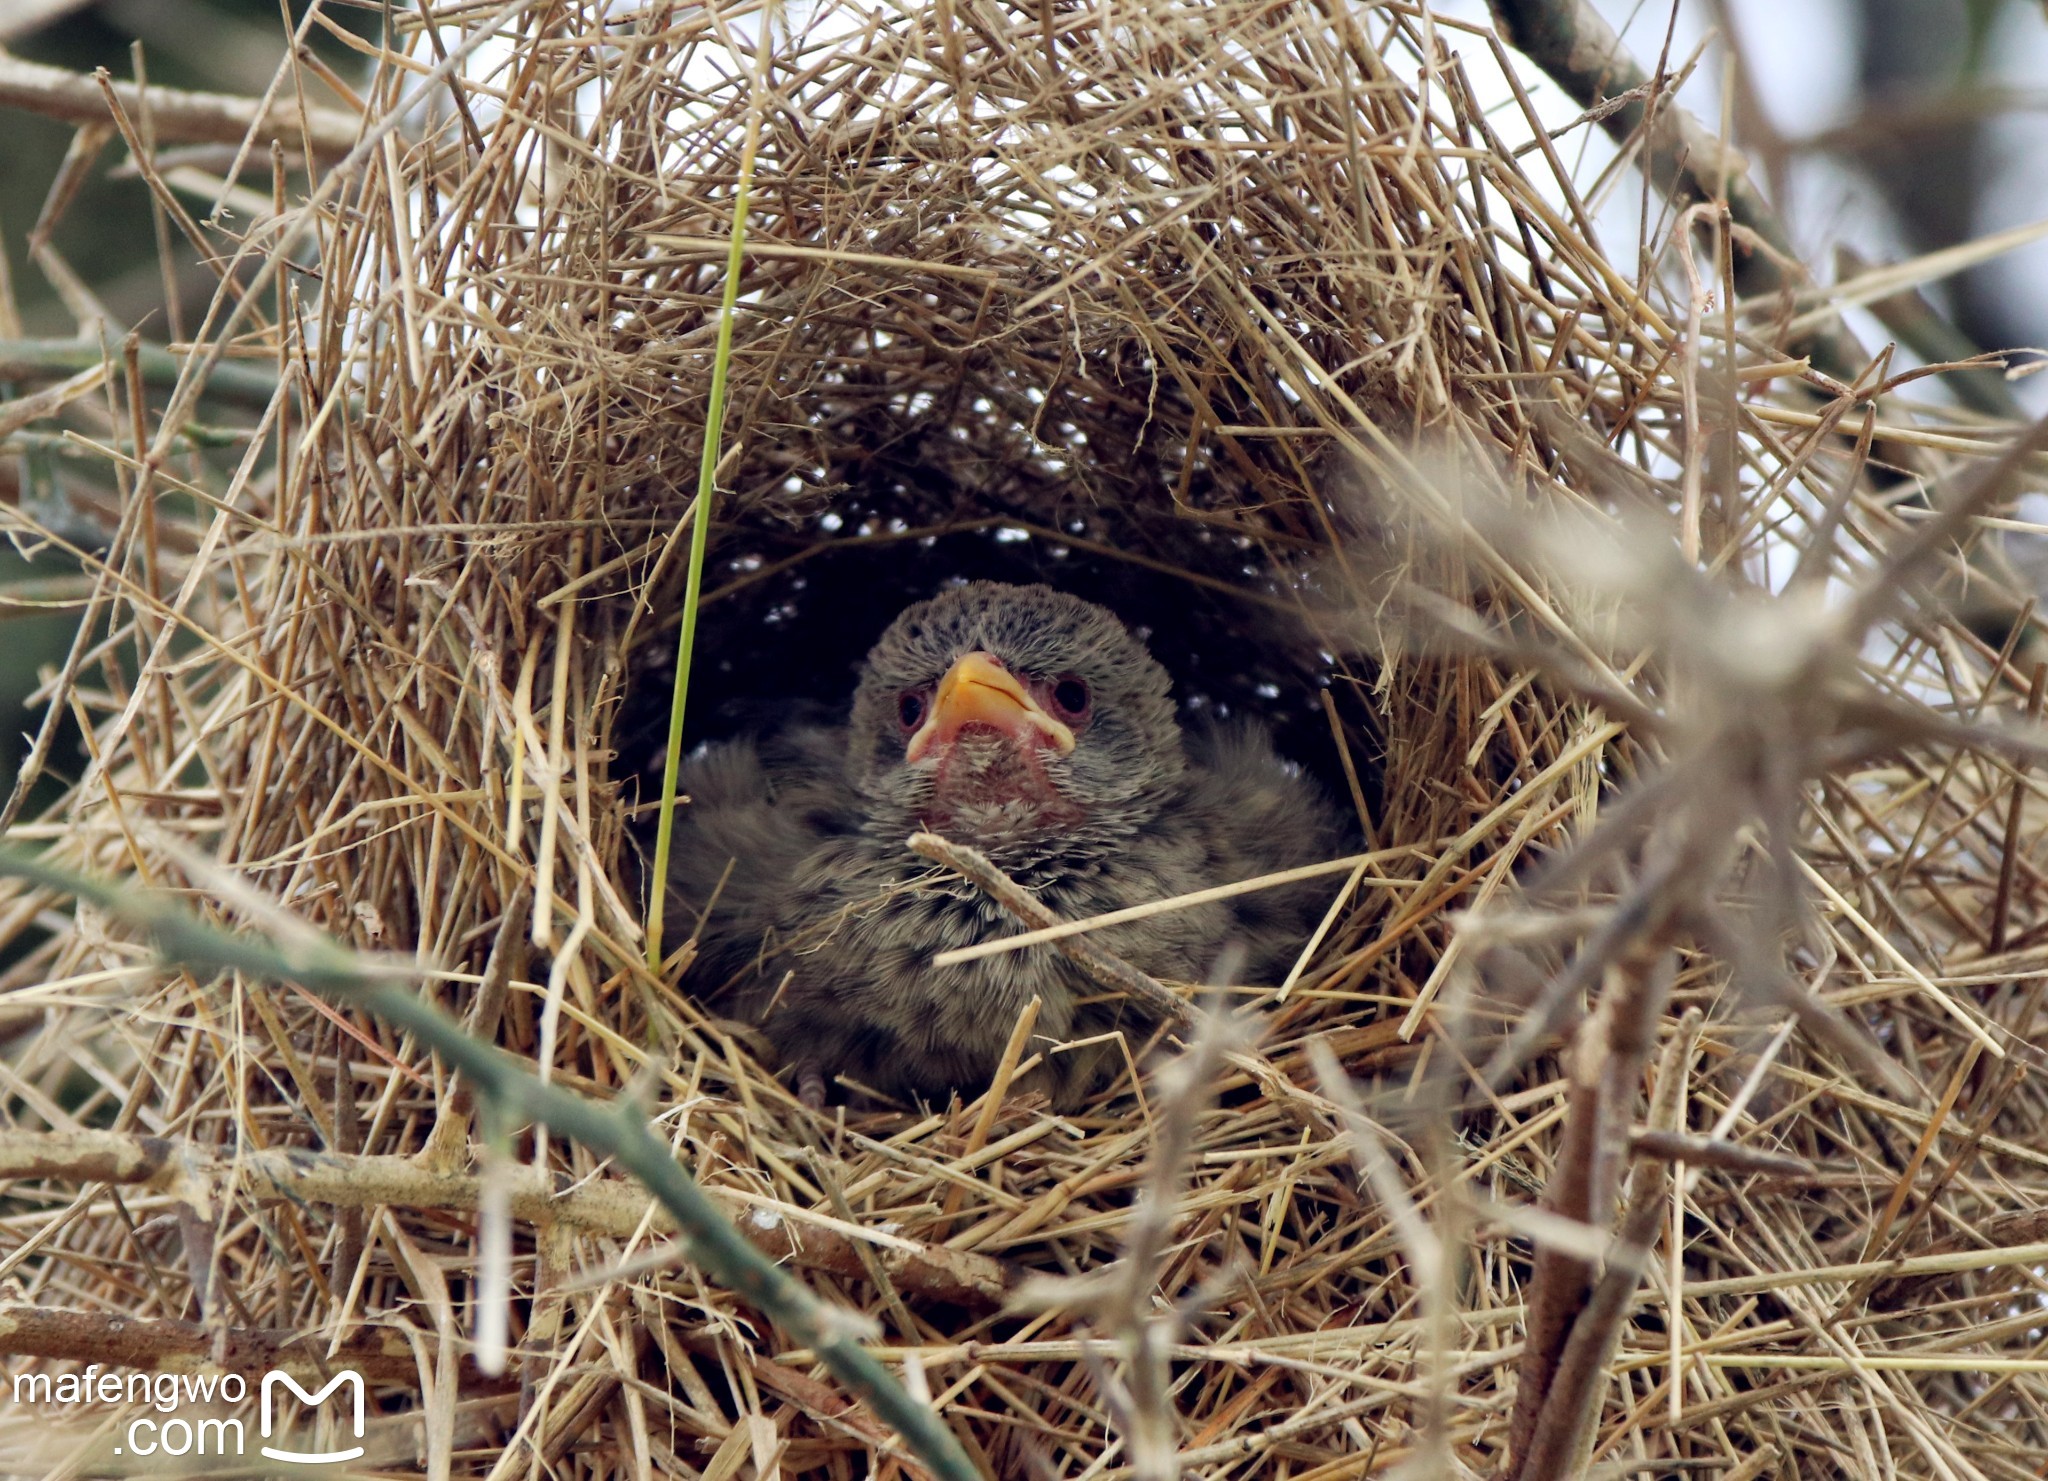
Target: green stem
517	1094
700	535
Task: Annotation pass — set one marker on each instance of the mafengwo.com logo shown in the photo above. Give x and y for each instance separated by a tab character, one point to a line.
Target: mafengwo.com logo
164	1432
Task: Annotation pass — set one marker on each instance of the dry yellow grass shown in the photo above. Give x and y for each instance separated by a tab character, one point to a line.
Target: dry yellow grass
1250	296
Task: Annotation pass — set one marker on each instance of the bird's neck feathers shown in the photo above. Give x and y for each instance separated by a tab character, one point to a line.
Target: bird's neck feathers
989	788
1038	846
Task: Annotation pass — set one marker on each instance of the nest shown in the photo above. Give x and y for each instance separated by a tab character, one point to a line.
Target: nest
1246	320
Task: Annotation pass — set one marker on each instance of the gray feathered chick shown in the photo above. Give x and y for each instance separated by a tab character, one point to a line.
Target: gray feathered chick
1033	726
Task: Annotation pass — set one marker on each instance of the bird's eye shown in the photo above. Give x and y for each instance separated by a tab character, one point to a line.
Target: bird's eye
910	709
1070	697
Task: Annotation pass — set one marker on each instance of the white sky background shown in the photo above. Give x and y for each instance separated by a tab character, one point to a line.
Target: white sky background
1801	56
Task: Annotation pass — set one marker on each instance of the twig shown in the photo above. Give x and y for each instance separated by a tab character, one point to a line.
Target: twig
1112	972
25	17
1922	328
1430	1250
618	1131
1582	54
18	412
1123	1299
1711	1151
1060	930
36	359
2009	856
178	117
1571	1401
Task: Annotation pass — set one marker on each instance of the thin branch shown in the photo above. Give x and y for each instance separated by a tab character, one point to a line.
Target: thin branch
26	17
1711	1151
618	1131
1113	972
40	359
1687	160
176	116
1571	1401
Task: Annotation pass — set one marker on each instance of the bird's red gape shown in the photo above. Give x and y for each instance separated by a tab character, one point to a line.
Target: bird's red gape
988	738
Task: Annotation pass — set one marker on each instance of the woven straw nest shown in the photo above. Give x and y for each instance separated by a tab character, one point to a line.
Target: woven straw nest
1246	317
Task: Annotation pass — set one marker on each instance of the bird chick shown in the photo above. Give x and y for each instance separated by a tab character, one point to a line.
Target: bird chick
1030	725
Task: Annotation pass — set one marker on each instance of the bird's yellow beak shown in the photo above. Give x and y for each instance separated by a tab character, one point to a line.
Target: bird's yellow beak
978	690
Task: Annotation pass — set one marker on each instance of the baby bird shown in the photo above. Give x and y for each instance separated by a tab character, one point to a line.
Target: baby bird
1030	725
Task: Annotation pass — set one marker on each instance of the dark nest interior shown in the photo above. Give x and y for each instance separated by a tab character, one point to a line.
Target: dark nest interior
1659	1094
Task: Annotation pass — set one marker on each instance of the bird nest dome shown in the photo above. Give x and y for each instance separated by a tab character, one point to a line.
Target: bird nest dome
1253	324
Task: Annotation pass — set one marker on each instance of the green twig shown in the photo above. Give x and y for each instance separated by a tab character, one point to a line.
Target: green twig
700	532
37	359
615	1131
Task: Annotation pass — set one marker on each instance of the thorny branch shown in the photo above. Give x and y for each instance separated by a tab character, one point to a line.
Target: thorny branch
504	1082
1555	1423
1762	696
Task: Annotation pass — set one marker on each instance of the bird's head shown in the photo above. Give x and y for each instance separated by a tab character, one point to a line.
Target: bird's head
993	713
